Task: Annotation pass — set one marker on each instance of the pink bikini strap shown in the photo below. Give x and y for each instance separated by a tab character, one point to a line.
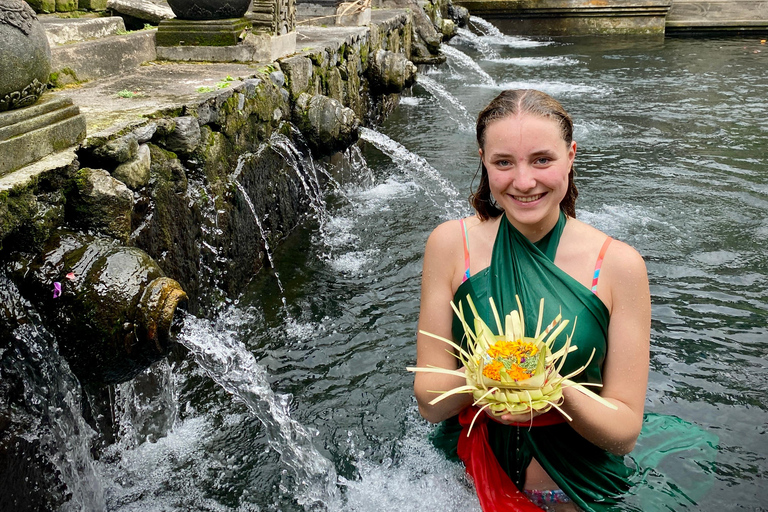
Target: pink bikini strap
466	251
599	263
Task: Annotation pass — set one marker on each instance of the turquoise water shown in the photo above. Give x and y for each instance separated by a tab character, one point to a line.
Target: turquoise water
307	404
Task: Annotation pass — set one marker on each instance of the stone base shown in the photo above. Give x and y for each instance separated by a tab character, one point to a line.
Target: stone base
347	15
254	48
572	17
226	32
29	134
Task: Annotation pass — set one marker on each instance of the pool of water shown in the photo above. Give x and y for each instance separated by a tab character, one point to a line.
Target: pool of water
297	396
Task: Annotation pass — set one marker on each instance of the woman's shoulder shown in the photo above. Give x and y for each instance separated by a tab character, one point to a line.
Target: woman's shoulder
451	231
590	236
619	258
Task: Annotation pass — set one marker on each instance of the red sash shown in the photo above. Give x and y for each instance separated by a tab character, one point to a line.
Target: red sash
495	490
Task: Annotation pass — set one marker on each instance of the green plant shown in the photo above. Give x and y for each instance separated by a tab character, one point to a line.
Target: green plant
125	93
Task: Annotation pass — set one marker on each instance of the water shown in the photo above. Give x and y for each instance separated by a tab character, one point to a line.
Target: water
307	405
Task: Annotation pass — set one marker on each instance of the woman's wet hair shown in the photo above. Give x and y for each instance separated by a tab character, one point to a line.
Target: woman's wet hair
509	103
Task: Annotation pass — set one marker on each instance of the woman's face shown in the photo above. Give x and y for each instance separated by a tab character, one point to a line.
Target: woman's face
528	163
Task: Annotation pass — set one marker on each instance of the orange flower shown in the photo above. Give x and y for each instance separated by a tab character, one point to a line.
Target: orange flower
492	370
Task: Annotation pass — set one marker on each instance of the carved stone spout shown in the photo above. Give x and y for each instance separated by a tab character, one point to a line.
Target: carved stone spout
111	305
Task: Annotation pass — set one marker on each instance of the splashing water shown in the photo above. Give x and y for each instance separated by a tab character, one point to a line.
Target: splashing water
478	42
410	162
493	35
309	477
447	102
263	233
467	61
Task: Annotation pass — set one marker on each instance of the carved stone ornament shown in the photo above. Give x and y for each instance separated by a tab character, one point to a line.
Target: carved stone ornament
25	57
17	14
208	9
277	17
24	98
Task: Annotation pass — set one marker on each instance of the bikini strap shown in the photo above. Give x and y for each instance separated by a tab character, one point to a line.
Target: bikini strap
599	263
466	250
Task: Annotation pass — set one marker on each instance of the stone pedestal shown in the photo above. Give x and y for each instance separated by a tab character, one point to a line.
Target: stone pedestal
572	17
176	32
31	133
255	47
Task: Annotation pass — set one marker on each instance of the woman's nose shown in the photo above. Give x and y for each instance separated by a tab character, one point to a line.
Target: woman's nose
524	178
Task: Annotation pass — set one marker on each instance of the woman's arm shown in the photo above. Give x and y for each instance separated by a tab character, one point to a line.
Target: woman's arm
444	251
625	371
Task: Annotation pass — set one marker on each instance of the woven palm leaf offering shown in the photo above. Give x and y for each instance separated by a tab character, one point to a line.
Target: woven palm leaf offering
509	372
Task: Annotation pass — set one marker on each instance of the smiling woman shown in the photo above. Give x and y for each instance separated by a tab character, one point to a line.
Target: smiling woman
526	243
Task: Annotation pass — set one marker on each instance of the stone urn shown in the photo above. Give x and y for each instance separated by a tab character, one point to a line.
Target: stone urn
25	57
209	9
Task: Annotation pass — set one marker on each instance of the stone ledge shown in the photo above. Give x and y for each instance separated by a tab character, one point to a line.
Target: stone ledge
25	175
106	56
29	134
63	31
711	16
255	48
572	17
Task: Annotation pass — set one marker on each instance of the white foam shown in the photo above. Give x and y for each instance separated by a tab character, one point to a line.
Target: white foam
410	101
539	61
353	262
554	88
419	479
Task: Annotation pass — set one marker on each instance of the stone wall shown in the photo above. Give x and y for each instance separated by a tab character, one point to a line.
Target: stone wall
178	206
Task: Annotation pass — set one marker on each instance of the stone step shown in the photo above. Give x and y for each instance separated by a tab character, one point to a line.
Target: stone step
106	56
69	30
696	16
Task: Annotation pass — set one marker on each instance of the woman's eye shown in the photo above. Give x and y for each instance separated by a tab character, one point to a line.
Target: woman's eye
542	160
502	163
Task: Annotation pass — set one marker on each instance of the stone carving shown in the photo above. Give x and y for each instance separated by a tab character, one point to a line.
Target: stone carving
24	98
17	14
276	17
25	57
208	9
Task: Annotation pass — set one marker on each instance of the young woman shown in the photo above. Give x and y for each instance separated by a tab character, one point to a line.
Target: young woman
525	240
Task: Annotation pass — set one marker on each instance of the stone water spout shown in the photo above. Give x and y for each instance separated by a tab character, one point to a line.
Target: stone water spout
112	306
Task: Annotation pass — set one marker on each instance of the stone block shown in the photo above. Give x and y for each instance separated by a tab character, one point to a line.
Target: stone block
135	173
298	72
29	134
102	203
144	10
70	30
66	5
105	56
228	32
92	5
43	6
254	48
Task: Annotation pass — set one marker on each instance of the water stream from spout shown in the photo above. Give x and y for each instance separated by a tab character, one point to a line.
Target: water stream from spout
308	477
467	61
447	102
53	397
417	167
263	233
476	41
306	170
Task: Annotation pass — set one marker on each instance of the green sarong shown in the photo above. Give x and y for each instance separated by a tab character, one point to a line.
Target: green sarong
593	478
